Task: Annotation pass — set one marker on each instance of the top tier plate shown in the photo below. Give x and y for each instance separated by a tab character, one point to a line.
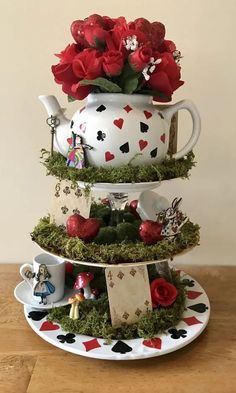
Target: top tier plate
121	187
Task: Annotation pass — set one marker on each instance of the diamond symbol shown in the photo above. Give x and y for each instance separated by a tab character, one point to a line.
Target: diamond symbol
127	108
133	272
91	344
111	284
138	312
191	321
120	275
146	303
125	315
193	294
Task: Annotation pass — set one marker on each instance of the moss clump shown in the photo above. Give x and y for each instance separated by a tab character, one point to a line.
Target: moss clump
126	232
55	239
106	235
94	318
168	169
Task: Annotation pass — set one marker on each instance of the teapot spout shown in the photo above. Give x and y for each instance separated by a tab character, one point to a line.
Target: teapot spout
63	131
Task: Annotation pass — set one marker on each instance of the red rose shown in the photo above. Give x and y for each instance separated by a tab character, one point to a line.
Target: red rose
166	77
113	62
158	34
140	58
95	36
68	54
163	293
77	32
88	64
167	46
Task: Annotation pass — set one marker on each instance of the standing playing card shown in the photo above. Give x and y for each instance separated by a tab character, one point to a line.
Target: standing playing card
67	200
128	292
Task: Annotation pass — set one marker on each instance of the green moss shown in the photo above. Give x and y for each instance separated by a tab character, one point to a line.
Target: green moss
106	235
94	318
55	239
126	232
168	169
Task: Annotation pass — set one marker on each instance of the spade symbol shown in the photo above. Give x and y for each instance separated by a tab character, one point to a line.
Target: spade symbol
153	153
121	347
125	148
37	315
71	124
200	307
101	136
143	127
101	108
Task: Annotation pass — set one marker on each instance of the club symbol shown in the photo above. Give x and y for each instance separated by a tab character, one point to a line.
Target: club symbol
176	334
68	338
101	136
187	282
64	209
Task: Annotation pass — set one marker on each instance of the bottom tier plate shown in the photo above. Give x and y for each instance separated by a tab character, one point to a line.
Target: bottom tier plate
194	321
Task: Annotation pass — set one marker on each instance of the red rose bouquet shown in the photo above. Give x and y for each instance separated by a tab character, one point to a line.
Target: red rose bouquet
115	56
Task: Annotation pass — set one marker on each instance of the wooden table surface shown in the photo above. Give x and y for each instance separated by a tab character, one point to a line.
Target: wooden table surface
29	364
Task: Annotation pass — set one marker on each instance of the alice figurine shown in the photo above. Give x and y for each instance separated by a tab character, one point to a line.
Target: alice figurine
43	288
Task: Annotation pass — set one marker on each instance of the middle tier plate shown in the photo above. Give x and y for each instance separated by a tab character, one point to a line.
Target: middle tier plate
120	187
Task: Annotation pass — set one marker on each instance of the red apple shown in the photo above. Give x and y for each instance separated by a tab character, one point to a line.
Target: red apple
150	232
84	228
133	208
73	223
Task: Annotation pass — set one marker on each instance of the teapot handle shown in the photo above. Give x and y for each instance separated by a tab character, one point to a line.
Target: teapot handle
189	106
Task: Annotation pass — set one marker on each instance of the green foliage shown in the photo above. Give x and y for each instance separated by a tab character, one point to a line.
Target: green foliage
55	239
104	84
126	232
94	318
168	169
106	235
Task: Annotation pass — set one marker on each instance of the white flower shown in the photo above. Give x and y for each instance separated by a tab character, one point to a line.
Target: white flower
150	68
131	43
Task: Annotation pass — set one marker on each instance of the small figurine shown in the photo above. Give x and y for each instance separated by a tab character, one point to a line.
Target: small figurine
75	301
75	156
172	219
82	282
43	287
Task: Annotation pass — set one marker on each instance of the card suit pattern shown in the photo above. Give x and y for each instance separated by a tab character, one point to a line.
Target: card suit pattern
147	114
199	307
142	144
127	108
91	344
193	294
143	127
125	148
154	343
191	321
69	338
109	156
153	153
101	108
163	138
121	347
119	123
47	325
177	333
37	315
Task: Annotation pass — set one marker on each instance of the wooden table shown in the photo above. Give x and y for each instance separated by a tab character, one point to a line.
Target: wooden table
29	364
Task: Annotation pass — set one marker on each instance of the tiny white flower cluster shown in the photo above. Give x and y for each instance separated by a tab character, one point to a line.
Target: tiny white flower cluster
150	68
131	43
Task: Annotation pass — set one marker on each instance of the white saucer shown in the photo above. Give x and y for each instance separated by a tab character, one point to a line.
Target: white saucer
192	324
23	293
150	204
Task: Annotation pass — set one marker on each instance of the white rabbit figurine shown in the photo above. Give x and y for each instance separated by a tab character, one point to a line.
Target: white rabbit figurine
172	219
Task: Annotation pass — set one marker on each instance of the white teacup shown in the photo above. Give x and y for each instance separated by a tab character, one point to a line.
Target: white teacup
46	277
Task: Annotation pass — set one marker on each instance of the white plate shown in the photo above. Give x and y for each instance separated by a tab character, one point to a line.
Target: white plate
23	293
121	187
192	324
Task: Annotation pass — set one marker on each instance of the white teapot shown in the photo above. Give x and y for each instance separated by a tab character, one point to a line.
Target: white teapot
121	128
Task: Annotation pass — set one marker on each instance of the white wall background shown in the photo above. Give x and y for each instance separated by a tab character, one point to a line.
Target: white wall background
32	31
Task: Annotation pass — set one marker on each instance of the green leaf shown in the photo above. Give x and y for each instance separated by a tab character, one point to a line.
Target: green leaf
131	84
70	98
104	84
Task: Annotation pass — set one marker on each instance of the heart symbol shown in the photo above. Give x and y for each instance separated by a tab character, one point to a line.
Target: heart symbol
47	325
109	156
83	127
154	343
163	138
142	144
147	114
119	123
125	148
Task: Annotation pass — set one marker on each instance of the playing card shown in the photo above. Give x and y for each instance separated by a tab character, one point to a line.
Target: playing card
128	292
67	200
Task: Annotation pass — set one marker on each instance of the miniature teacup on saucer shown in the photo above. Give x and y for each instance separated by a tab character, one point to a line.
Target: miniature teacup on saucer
46	278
